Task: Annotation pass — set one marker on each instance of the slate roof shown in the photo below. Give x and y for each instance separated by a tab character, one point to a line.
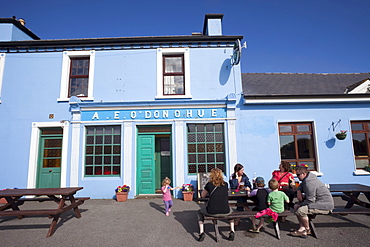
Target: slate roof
291	84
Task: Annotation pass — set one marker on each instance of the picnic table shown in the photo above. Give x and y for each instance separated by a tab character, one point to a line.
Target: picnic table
351	193
64	197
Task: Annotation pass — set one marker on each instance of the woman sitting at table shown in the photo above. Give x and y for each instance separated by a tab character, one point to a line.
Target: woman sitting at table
239	180
285	180
218	203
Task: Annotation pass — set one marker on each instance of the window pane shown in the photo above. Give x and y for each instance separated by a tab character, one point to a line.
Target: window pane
305	147
357	126
287	149
303	128
359	144
285	128
360	164
78	86
173	85
173	64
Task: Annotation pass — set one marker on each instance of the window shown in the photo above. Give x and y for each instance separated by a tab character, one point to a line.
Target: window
2	62
103	151
297	144
77	75
173	73
205	147
361	143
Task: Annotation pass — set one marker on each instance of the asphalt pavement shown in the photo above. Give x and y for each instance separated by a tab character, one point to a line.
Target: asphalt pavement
142	222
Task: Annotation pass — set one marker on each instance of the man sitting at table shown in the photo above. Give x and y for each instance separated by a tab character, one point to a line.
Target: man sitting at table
318	200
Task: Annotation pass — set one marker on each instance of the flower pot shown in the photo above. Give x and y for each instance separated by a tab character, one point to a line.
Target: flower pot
341	136
187	195
121	196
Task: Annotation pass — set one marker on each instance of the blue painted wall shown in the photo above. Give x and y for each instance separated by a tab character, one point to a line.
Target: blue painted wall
258	138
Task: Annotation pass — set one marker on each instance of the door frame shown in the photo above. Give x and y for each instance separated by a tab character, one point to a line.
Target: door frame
34	151
137	147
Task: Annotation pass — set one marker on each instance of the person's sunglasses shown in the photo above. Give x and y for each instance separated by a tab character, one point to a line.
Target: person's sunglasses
298	174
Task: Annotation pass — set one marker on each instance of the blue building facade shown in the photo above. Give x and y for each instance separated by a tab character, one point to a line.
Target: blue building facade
99	113
296	117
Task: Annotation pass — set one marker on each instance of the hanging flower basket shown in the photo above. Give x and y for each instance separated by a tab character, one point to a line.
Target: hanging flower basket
341	136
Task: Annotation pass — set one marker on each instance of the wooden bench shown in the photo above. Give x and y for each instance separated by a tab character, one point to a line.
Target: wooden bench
244	214
338	211
49	212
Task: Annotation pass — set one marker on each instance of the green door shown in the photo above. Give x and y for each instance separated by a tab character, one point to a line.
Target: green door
146	164
49	158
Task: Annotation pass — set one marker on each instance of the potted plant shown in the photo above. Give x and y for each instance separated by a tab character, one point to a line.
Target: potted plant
187	192
122	193
341	135
367	168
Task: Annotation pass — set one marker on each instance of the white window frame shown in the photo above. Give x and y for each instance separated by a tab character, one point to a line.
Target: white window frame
2	63
64	83
172	51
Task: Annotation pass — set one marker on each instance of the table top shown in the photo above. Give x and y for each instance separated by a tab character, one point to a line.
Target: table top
39	191
237	193
349	188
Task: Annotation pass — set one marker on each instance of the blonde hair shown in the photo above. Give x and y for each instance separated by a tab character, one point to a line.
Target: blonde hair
273	184
166	181
217	177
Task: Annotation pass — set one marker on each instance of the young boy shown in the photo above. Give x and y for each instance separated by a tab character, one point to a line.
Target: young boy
276	198
260	195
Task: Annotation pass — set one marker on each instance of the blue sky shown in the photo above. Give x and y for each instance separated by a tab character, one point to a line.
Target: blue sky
294	36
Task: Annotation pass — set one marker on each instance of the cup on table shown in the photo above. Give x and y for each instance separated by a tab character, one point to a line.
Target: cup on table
241	185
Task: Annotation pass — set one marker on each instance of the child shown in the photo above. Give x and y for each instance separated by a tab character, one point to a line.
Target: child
276	198
261	202
166	195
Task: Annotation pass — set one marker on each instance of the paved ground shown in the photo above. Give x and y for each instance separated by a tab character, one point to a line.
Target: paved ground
141	222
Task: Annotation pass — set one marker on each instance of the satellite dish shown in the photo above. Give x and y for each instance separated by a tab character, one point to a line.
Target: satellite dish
237	52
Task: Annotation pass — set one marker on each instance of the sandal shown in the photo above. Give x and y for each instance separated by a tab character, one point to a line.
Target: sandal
255	230
296	230
296	233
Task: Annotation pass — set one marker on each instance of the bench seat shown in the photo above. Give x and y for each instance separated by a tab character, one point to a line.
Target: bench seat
244	214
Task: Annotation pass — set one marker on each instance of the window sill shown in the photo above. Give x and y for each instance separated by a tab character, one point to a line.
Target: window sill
361	172
318	174
174	97
82	99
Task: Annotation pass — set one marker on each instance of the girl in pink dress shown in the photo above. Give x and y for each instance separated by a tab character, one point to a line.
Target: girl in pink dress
166	195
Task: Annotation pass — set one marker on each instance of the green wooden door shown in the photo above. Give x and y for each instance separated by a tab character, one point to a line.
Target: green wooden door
146	164
49	159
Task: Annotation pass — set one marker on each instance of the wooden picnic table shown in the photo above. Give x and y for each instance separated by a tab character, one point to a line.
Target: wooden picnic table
64	197
351	193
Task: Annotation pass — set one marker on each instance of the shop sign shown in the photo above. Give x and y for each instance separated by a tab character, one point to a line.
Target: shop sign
153	114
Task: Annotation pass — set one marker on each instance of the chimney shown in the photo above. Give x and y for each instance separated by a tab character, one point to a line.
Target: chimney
213	24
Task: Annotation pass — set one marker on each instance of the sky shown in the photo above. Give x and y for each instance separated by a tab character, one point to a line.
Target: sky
282	36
